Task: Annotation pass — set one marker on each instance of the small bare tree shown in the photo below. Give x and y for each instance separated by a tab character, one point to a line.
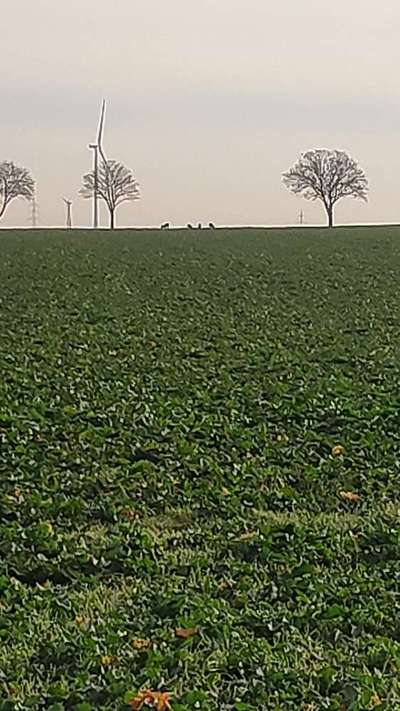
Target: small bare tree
328	176
116	184
15	182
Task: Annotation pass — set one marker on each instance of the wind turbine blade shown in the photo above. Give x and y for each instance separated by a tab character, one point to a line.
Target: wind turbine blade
101	124
100	133
103	157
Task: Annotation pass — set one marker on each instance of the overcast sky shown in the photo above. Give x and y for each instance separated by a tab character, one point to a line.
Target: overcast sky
208	101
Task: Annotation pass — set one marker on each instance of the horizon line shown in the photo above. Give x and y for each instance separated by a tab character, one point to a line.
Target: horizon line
204	226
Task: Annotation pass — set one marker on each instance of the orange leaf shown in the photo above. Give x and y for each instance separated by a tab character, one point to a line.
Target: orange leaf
185	632
349	496
137	703
158	700
375	700
161	701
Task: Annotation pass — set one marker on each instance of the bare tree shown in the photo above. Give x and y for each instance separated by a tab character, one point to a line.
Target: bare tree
328	176
15	182
116	184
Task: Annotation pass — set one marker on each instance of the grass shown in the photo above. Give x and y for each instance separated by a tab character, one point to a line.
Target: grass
169	403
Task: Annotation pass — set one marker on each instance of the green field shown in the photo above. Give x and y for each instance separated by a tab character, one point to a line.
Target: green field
169	403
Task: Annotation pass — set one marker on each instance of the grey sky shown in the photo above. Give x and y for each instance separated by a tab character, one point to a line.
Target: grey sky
208	100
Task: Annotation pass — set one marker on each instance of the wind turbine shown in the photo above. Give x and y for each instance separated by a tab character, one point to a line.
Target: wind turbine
98	148
69	212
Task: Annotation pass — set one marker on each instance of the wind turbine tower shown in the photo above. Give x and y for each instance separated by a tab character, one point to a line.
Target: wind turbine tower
34	212
69	212
97	149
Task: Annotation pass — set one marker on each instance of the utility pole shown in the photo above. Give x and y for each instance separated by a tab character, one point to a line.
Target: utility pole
301	217
34	212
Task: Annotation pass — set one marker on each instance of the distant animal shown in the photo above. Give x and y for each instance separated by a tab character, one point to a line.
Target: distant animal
189	226
211	226
165	226
199	226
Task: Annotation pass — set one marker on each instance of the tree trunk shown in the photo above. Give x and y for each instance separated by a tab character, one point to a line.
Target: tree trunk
112	219
5	201
329	211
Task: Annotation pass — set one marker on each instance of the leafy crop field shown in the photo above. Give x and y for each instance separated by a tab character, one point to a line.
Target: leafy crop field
199	470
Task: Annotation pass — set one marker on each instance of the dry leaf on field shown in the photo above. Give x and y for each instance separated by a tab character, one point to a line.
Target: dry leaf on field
130	514
338	450
107	661
349	496
141	644
247	536
225	491
138	702
157	700
185	632
375	700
